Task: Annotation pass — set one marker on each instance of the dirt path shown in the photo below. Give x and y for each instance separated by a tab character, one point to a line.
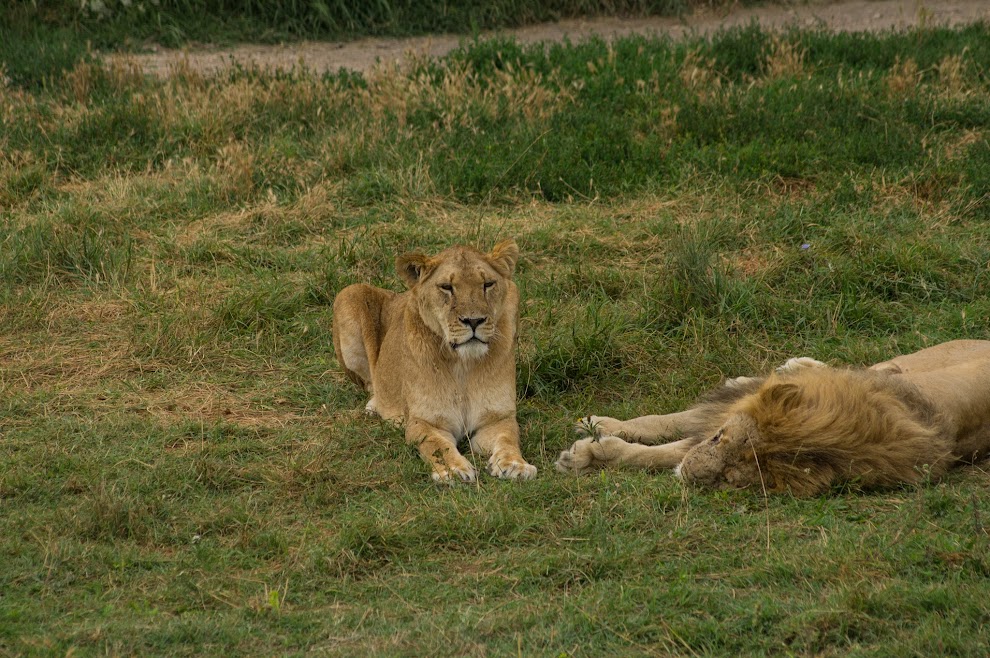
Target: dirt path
846	15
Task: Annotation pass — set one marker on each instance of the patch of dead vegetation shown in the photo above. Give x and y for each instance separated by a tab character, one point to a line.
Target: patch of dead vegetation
785	59
903	77
947	80
102	316
102	380
211	403
458	94
69	367
753	261
698	74
957	148
952	76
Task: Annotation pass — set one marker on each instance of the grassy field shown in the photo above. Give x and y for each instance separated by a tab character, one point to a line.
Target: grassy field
185	470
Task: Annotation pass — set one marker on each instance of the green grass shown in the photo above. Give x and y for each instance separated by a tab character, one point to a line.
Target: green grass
186	471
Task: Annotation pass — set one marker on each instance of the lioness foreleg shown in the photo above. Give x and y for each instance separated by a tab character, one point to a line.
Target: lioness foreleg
594	454
438	448
500	442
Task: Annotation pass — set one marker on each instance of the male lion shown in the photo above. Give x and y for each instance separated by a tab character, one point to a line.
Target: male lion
808	427
441	356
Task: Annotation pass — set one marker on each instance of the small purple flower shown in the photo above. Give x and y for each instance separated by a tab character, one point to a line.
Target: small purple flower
806	245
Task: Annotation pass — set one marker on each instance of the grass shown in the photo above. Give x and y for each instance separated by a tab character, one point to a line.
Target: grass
185	470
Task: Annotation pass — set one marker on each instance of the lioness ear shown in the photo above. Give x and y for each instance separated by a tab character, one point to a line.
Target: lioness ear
505	255
412	267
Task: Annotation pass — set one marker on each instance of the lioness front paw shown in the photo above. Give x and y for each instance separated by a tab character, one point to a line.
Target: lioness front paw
448	474
596	426
511	468
589	455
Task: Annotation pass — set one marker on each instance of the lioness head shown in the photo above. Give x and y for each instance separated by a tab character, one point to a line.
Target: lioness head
461	293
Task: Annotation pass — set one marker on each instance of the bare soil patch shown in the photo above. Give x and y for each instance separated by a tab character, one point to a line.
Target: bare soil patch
361	55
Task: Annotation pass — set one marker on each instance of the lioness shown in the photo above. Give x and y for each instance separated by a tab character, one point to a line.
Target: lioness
441	356
808	427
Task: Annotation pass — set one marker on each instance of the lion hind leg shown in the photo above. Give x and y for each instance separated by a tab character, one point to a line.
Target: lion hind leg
354	360
358	331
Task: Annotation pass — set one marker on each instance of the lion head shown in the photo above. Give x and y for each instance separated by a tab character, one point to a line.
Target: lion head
726	460
461	293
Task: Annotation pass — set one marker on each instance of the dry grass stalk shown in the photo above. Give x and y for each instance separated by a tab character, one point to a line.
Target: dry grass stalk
785	60
952	76
903	77
698	74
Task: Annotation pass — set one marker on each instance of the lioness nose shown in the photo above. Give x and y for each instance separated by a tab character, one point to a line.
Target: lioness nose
474	323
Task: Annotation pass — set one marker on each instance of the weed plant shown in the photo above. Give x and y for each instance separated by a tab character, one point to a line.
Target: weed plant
185	470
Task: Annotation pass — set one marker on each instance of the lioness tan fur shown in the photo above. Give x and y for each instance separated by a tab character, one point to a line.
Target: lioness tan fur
808	427
440	357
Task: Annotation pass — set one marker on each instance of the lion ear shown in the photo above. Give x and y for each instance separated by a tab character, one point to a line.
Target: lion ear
412	267
504	256
782	397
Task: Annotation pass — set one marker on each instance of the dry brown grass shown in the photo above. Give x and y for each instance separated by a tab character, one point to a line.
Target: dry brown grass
785	60
753	261
211	402
235	168
953	76
699	75
903	77
459	96
87	362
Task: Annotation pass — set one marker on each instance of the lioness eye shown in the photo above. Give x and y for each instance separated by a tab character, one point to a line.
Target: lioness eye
446	287
489	284
717	437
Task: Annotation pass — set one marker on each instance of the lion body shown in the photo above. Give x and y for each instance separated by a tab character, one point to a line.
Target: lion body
440	357
808	427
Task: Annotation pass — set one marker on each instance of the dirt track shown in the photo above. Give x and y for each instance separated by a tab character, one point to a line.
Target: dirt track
848	15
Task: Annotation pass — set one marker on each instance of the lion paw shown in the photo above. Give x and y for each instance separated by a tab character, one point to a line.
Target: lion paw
597	426
588	455
799	362
454	474
511	469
